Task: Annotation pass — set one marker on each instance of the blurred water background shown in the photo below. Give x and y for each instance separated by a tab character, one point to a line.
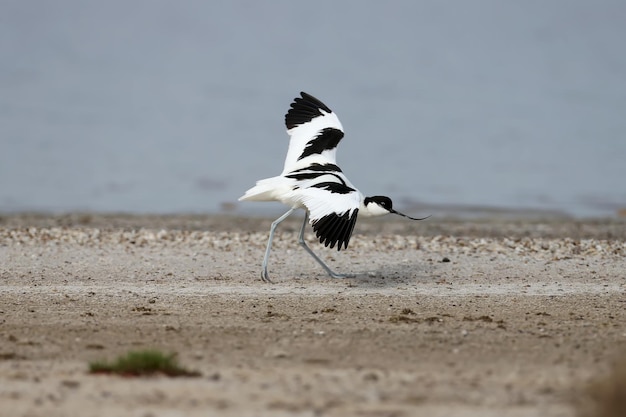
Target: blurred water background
158	106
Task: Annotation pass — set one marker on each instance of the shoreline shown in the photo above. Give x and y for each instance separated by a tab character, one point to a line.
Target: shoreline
550	227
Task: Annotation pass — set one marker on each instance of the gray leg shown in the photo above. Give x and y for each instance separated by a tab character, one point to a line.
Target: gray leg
304	245
276	222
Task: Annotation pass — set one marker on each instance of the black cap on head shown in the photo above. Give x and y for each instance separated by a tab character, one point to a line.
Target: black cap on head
381	200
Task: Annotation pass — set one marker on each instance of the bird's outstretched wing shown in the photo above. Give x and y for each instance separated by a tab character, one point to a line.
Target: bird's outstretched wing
332	227
315	132
333	203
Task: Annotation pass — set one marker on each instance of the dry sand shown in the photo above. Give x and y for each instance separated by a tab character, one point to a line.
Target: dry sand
522	316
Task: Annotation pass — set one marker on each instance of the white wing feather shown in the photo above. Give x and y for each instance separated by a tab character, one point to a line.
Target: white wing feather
319	205
300	137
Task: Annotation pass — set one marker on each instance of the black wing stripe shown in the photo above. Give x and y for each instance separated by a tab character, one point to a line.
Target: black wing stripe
304	110
334	187
305	175
335	229
312	175
320	167
327	139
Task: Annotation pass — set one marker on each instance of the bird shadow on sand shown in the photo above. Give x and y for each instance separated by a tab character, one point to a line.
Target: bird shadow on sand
388	276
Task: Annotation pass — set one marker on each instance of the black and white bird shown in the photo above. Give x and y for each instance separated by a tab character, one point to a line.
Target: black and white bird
311	180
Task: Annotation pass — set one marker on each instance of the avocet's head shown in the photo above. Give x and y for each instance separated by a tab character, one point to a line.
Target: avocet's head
380	205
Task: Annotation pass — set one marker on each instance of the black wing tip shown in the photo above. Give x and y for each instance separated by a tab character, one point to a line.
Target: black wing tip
304	109
313	100
335	229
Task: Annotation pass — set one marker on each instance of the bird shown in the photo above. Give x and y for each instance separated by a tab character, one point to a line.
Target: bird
312	180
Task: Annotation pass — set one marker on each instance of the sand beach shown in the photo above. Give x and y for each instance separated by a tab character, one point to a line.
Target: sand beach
508	317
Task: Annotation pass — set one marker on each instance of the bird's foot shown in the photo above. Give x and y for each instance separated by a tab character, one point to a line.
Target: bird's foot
336	275
265	277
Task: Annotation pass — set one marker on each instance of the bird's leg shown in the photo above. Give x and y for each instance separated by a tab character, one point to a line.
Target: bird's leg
305	246
276	222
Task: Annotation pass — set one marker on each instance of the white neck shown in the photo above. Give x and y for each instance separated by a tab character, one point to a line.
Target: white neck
371	210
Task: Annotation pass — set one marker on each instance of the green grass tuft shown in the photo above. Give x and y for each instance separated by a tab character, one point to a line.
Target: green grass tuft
141	363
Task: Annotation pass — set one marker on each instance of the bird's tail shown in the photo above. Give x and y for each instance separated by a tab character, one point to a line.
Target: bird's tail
264	190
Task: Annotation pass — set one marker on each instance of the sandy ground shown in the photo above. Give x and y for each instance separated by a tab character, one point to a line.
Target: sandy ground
444	318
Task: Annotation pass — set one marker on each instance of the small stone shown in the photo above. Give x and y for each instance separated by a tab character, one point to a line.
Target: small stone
370	376
70	383
279	354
